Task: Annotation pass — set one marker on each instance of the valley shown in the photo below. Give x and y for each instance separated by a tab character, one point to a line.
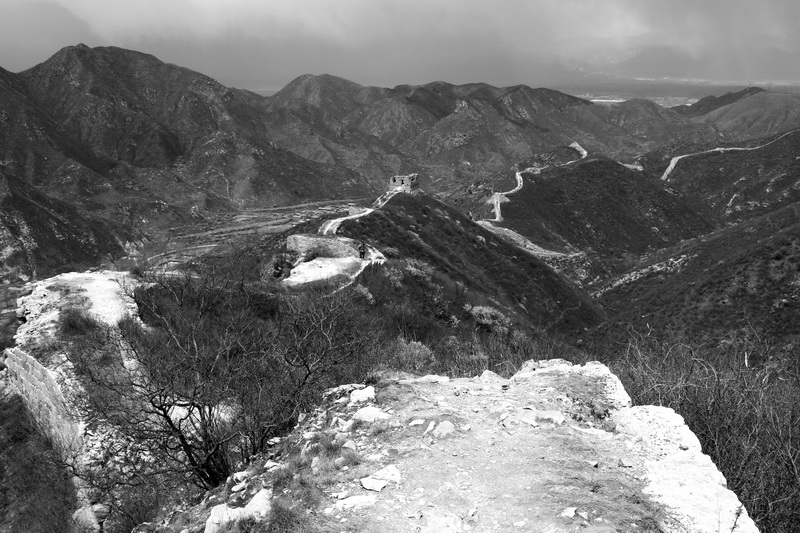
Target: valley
275	247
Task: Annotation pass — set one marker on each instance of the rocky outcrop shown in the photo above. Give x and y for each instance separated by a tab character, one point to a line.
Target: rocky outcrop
557	447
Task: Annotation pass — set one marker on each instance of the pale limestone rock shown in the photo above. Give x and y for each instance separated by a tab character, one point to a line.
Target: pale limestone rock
272	465
388	473
101	511
444	429
367	394
85	519
553	417
373	484
370	414
489	377
363	500
679	476
223	517
568	512
442	522
305	245
430	378
532	365
238	477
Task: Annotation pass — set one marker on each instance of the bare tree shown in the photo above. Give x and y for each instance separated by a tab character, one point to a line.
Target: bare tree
218	369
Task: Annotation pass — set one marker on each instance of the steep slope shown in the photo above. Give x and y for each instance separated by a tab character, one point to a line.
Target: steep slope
739	184
426	230
740	279
712	103
164	132
40	236
605	209
760	114
32	145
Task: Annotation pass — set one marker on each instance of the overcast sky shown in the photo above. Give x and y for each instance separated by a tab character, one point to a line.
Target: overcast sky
264	44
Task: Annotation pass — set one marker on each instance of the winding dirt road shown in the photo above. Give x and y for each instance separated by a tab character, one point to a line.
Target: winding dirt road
330	227
498	197
674	161
322	268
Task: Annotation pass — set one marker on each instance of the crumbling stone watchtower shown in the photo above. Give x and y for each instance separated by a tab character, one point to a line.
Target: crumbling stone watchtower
407	183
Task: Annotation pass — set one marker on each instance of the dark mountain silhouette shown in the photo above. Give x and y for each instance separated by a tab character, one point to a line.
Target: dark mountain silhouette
108	127
749	114
113	130
711	103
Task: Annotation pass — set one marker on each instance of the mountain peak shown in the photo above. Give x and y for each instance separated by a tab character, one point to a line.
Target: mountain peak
711	103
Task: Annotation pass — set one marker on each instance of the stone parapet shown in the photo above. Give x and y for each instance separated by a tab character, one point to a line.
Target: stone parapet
39	388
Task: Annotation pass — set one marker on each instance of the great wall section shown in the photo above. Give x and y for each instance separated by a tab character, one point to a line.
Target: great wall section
497	444
38	386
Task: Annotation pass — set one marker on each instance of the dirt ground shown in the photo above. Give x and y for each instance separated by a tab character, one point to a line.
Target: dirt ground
540	452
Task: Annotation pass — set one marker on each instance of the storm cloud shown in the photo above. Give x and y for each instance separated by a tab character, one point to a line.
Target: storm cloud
261	44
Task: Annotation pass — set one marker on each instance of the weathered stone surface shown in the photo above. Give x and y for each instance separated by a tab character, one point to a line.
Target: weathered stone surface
319	246
223	517
364	395
362	500
490	377
553	417
388	473
679	475
444	429
568	512
370	483
85	519
370	414
430	378
442	522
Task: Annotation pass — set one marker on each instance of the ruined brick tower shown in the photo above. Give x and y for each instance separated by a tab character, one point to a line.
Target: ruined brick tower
407	183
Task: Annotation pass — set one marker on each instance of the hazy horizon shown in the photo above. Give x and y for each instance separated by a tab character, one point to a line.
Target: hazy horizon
262	45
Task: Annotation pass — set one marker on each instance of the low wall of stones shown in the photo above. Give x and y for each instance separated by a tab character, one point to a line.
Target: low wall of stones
42	394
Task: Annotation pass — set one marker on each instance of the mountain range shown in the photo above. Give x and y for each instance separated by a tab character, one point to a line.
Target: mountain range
113	147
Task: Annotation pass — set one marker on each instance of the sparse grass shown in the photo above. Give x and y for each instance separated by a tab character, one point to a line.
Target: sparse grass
288	517
747	418
466	268
76	322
